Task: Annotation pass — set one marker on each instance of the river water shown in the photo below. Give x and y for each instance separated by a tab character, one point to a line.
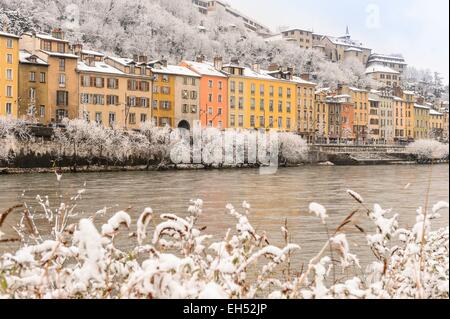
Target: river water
274	198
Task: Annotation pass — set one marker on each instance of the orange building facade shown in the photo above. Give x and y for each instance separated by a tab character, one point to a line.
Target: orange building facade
213	92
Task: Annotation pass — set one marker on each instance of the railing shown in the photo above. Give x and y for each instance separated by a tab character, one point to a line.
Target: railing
326	148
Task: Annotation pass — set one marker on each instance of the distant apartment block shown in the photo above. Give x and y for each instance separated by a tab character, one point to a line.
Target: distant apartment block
212	7
395	62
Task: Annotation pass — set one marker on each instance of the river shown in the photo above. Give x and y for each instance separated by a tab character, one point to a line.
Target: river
274	198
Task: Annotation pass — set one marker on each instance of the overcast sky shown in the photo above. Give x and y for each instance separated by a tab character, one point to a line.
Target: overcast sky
419	29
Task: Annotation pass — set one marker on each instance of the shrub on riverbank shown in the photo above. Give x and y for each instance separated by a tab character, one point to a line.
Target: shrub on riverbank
425	150
82	143
175	259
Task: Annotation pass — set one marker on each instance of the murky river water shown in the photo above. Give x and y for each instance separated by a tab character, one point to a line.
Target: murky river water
274	198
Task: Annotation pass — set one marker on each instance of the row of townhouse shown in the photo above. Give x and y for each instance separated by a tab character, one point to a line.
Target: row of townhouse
46	79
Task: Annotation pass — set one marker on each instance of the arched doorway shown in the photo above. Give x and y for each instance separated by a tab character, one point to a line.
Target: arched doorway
184	124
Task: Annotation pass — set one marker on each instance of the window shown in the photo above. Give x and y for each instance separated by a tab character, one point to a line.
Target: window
219	98
288	123
232	120
98	117
9	43
219	111
241	120
99	82
185	94
8	108
270	106
165	90
220	85
270	121
144	102
194	81
9	91
165	78
42	77
271	91
185	108
262	121
132	118
42	111
210	84
261	89
241	103
9	58
112	118
233	86
288	93
32	94
280	106
252	88
113	83
62	98
62	64
46	45
62	80
194	95
252	103
252	121
280	92
61	48
210	97
280	122
9	74
241	87
165	105
143	118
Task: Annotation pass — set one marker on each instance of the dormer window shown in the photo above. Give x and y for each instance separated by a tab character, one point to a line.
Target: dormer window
132	69
32	59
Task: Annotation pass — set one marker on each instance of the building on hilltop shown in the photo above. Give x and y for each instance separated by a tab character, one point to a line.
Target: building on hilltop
214	6
393	61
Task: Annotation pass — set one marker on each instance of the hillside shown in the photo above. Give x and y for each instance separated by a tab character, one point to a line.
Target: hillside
169	29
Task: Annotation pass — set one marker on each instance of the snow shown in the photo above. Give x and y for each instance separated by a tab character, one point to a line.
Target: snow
98	67
25	55
419	106
61	55
92	52
175	70
205	68
380	69
355	195
319	210
301	81
9	35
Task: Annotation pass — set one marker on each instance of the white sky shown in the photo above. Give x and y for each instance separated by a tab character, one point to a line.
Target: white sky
419	29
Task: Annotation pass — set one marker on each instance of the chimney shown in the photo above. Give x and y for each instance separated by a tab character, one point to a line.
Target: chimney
256	67
200	58
164	63
274	67
58	33
235	61
77	48
135	57
305	76
420	100
218	63
143	59
90	60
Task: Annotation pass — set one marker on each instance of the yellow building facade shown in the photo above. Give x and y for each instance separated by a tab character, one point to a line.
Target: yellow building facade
9	74
422	118
261	99
62	77
33	89
311	117
114	96
360	100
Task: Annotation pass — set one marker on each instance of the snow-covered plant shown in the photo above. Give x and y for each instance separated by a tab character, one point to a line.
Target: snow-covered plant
11	130
175	259
428	150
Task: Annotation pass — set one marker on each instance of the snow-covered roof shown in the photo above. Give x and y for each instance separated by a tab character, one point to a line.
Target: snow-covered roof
435	113
44	36
98	67
299	80
353	49
355	89
274	38
122	61
262	74
61	55
175	70
92	52
205	68
345	41
396	98
380	69
418	106
24	57
8	35
386	58
409	92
